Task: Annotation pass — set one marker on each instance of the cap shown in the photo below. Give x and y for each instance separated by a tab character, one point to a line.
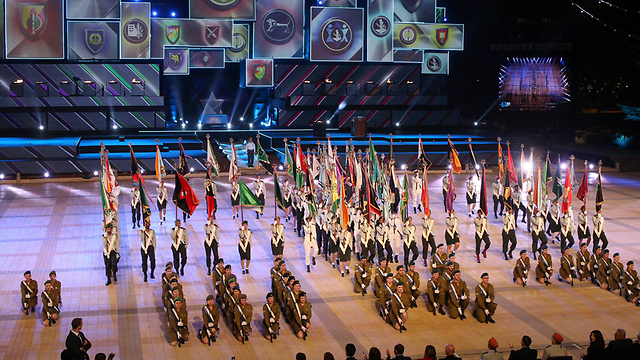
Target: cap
302	293
583	244
440	245
47	282
452	254
493	343
173	280
220	261
544	247
630	262
228	266
523	252
237	287
178	299
243	296
109	225
389	276
210	297
558	337
399	267
28	272
484	274
400	283
449	263
280	263
295	283
412	263
53	272
596	248
169	265
278	259
456	272
616	254
605	251
269	295
363	257
232	279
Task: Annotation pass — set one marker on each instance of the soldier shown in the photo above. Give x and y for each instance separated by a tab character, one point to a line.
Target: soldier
436	294
530	208
521	271
413	284
210	318
218	277
537	232
161	200
292	300
232	297
271	316
322	231
224	281
583	229
582	262
110	250
496	187
630	282
178	323
381	275
148	248
604	269
179	244
615	276
416	187
451	235
286	195
594	265
400	303
135	205
384	294
166	276
553	218
29	291
302	317
362	276
211	189
451	258
235	198
244	246
211	242
395	233
471	195
567	270
567	227
367	246
310	243
277	238
485	300
174	292
335	232
344	251
56	285
482	234
445	189
508	234
598	229
544	270
260	188
382	240
516	198
410	243
428	239
459	297
50	302
438	260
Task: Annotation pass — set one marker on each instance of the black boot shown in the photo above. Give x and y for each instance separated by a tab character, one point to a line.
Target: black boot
152	276
308	269
490	319
145	277
313	261
108	281
208	271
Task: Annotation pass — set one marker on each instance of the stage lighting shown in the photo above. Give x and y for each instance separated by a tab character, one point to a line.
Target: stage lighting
591	166
449	166
445	19
46	174
397	124
41	127
2	176
342	105
477	167
241	118
251	125
475	123
41	89
229	126
403	167
563	166
279	168
183	124
192	169
17	88
155	13
180	119
173	14
115	127
141	171
199	125
95	173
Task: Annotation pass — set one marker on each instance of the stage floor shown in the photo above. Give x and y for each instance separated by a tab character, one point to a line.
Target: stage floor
56	226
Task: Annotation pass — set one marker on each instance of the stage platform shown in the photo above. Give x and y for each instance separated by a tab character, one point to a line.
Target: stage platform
56	226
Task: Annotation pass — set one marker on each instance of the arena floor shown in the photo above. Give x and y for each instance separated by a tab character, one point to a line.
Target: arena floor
56	226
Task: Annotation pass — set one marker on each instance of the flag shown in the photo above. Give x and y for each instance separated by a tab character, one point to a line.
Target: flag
210	196
451	194
233	164
263	159
545	177
106	206
512	168
483	193
557	181
404	202
335	196
422	156
182	161
567	200
160	171
183	195
500	157
507	189
455	164
537	189
110	179
248	198
211	160
344	212
135	175
301	167
394	189
277	193
144	203
473	156
315	167
288	161
522	168
599	194
375	165
370	205
583	190
424	198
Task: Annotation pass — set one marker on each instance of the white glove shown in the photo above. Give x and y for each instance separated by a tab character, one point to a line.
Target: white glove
582	263
486	311
244	323
629	291
217	283
386	312
272	320
364	275
581	272
179	323
401	311
49	304
459	310
436	291
629	282
304	317
463	297
433	265
303	328
435	305
210	325
413	288
27	296
488	300
362	286
413	298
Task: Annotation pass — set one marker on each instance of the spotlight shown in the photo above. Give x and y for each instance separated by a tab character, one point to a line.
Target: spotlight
199	125
155	13
397	124
46	174
229	126
1	176
449	166
115	127
95	173
591	166
41	127
445	19
192	169
342	105
563	166
403	167
241	118
475	123
279	168
141	171
173	14
477	167
328	121
180	119
251	125
183	125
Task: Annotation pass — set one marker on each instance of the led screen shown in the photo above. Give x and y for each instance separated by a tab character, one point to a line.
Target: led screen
135	30
279	29
188	32
34	29
92	40
336	34
223	9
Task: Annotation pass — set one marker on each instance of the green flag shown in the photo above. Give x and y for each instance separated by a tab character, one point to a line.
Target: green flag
546	173
373	160
557	187
277	193
106	208
263	159
404	200
247	197
144	202
288	162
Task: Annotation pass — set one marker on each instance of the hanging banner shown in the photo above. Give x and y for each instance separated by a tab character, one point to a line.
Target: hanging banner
239	49
435	63
414	11
206	58
176	61
92	40
279	29
257	73
188	32
34	29
134	30
223	9
379	30
428	36
336	34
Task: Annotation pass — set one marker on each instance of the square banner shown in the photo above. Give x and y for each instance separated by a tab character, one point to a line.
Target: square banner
339	3
435	63
407	56
34	29
206	58
428	36
93	9
92	40
379	31
176	61
414	10
223	9
189	32
239	49
336	34
279	29
134	30
257	73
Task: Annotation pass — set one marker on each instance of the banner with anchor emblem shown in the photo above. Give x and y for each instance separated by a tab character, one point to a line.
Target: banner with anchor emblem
380	30
428	36
278	31
415	10
189	32
435	63
336	34
92	40
34	29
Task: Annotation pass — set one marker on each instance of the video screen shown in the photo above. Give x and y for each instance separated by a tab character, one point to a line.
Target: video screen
34	29
336	34
279	29
93	9
92	40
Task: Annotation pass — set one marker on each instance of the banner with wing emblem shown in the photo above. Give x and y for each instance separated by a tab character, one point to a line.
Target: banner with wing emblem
175	61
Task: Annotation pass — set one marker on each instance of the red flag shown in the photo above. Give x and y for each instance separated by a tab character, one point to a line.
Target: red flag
211	200
483	192
425	191
566	202
451	193
455	164
183	195
513	176
583	190
135	173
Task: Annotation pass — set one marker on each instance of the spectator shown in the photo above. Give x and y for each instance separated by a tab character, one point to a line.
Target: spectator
450	351
493	353
429	353
595	351
301	356
374	354
76	343
251	149
636	345
555	349
328	356
621	347
398	351
525	352
350	350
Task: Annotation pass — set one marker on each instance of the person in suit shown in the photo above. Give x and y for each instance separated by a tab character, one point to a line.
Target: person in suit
398	351
620	347
76	343
525	352
595	350
450	352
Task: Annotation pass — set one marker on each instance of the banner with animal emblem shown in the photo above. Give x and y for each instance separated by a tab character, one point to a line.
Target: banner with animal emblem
134	30
435	63
176	61
92	40
223	9
428	36
257	73
279	29
414	11
379	30
206	58
34	29
239	49
93	9
336	34
188	32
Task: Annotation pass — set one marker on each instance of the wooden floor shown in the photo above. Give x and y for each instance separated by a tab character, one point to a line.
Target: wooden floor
56	226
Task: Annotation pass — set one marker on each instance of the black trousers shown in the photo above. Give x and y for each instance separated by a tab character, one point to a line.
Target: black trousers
250	154
564	239
318	237
150	256
326	238
211	249
444	199
431	241
368	251
479	240
111	263
542	237
414	249
135	214
509	237
381	250
299	220
498	201
529	214
180	253
597	239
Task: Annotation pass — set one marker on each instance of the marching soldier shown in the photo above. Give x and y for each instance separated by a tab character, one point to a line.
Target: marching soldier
382	239
604	269
55	284
260	188
211	242
567	270
271	316
50	303
362	276
530	208
508	234
335	230
537	232
210	318
583	229
451	235
244	246
436	294
211	189
521	271
553	217
310	243
516	198
630	282
482	234
438	260
485	300
428	239
594	265
459	297
178	323
235	198
410	243
413	284
179	244
302	317
367	246
395	234
381	275
544	270
286	194
582	262
416	186
277	238
161	200
29	291
344	251
567	227
148	248
445	190
218	277
400	303
598	229
615	276
110	250
471	195
496	187
135	205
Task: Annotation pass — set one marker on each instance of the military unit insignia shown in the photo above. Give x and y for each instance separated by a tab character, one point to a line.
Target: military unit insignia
173	33
222	5
238	43
175	60
135	31
278	26
94	39
33	20
211	34
259	70
337	35
408	35
380	26
434	64
442	35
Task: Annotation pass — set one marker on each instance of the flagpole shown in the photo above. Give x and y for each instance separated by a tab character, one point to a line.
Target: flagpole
258	160
500	164
391	146
275	204
286	175
473	156
586	173
521	165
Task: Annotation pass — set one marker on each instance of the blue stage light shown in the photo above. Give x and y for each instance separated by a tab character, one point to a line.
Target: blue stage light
445	19
155	13
173	14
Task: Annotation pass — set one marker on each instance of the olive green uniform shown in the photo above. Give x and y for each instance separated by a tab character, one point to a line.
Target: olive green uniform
381	275
414	284
545	266
438	261
178	324
435	293
242	314
582	264
50	303
566	266
29	298
271	318
399	305
302	316
604	269
521	271
630	282
210	318
362	276
458	298
485	300
615	277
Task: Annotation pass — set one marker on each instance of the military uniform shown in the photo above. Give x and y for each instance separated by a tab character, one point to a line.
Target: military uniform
178	324
413	286
458	299
210	318
277	239
211	243
604	269
400	304
583	229
521	271
582	264
567	227
135	207
271	316
598	231
508	234
485	302
567	269
545	267
615	277
382	241
50	303
410	243
381	276
384	295
179	244
110	254
148	251
367	240
362	277
451	234
244	244
302	316
537	234
428	239
437	262
594	266
482	234
435	295
218	279
630	283
29	291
